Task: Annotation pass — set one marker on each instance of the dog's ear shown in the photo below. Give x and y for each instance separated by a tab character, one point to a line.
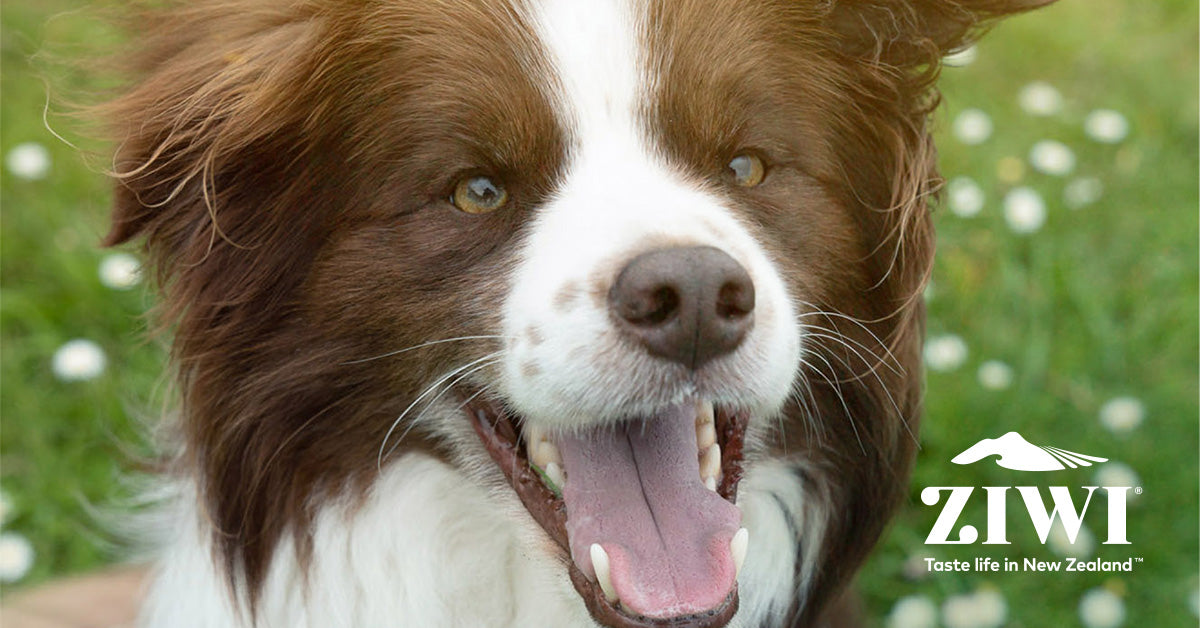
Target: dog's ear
913	32
214	90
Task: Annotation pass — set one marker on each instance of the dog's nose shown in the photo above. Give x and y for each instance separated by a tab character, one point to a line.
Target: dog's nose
688	305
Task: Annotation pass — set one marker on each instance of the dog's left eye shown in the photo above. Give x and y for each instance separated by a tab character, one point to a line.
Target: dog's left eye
479	195
747	169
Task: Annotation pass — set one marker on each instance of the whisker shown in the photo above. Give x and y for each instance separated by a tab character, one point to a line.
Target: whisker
872	372
422	345
872	366
429	404
428	390
861	324
837	389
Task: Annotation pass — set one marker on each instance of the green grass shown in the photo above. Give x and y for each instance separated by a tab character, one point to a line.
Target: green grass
1100	302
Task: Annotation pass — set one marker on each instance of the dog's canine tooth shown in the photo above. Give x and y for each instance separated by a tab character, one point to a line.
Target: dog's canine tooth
546	452
737	547
704	412
706	435
710	483
533	436
555	473
710	462
603	575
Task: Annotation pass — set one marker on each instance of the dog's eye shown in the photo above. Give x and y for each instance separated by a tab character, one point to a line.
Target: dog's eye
747	170
479	195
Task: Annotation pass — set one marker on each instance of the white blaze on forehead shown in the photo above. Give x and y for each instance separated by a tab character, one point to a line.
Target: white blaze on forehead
594	48
618	197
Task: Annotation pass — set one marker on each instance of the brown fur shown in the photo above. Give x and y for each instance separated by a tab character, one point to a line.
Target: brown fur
287	165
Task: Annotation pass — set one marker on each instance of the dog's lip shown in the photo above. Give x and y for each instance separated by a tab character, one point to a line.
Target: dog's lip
498	431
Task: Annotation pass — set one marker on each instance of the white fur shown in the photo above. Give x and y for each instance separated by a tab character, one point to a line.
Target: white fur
432	547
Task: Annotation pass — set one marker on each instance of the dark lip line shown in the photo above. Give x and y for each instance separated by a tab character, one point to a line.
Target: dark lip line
497	430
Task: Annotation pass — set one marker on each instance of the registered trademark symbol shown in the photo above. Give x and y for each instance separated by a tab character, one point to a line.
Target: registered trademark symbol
1137	490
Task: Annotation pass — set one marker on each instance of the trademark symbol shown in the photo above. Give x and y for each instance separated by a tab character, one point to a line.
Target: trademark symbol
1137	490
1137	559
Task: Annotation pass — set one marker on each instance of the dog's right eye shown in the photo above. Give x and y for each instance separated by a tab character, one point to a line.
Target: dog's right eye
479	195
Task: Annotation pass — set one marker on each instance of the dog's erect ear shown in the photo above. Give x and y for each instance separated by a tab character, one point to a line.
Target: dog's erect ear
911	32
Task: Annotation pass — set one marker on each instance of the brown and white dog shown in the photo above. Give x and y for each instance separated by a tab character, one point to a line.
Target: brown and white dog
534	312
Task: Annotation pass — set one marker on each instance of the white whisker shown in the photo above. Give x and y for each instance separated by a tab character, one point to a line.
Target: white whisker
428	391
429	404
422	345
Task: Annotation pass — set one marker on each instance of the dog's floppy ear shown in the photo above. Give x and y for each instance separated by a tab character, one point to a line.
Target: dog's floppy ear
214	87
913	32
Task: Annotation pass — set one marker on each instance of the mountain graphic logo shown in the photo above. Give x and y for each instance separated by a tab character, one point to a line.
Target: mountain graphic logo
1017	453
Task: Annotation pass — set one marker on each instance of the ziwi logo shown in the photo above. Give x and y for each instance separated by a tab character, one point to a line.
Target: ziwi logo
1017	453
1014	452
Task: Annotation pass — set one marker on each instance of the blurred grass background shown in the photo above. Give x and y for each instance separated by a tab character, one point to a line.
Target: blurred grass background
1099	302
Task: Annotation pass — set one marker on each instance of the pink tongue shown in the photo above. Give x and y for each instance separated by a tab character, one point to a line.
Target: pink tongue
636	491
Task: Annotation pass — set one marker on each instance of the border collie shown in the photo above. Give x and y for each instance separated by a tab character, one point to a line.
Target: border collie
533	312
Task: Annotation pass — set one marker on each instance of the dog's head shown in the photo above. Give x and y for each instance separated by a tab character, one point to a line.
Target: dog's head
616	255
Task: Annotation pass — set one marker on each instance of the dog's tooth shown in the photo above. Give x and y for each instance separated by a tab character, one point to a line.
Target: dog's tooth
556	475
710	483
737	547
704	412
710	462
533	436
706	435
548	452
603	575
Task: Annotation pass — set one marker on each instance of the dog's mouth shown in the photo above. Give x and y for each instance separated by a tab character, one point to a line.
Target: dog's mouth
644	508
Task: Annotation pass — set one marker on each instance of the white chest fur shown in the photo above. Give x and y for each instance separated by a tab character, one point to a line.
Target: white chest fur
430	548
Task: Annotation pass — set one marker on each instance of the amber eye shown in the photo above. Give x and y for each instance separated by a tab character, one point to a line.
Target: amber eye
747	170
479	195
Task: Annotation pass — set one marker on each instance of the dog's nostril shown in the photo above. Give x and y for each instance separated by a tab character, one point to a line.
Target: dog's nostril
735	300
688	305
647	306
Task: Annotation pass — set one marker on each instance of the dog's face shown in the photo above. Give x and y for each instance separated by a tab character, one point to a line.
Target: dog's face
609	258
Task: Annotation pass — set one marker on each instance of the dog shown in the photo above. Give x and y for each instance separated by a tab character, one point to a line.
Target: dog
533	312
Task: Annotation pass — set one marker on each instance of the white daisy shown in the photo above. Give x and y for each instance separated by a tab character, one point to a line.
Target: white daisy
914	568
1052	157
991	607
1117	474
1040	99
29	160
1082	192
914	611
945	353
1024	210
958	611
1101	608
1106	126
16	556
1122	415
982	609
120	271
964	196
995	375
972	126
79	359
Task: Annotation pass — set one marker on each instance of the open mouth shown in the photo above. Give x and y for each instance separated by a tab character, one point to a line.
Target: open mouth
644	508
